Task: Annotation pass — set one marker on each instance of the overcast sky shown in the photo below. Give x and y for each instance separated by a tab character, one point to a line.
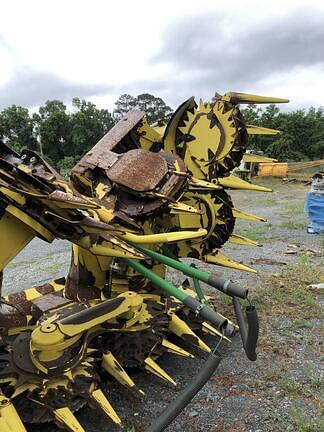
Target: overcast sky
174	49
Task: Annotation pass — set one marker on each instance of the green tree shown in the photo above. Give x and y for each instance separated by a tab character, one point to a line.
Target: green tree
66	164
54	130
17	128
155	108
125	103
88	125
302	132
251	114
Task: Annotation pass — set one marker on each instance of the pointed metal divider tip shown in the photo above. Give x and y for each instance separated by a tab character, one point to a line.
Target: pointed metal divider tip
154	368
240	214
235	97
114	368
209	329
174	349
65	417
244	241
234	182
101	402
258	130
220	259
182	330
183	208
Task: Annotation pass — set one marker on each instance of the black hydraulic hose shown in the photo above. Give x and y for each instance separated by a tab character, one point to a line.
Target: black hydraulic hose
240	319
253	332
250	331
177	406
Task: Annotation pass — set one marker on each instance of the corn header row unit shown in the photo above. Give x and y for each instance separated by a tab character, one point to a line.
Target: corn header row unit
140	200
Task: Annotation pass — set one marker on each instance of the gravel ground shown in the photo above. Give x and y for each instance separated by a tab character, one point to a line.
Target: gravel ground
281	391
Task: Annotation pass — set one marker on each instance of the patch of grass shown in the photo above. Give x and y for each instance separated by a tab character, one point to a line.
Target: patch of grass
261	232
305	423
286	293
302	323
298	420
293	208
292	224
290	387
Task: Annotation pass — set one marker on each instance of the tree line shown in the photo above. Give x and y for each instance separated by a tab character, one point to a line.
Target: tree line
63	135
302	130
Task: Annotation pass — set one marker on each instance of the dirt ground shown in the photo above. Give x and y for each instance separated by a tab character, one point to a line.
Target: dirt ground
282	390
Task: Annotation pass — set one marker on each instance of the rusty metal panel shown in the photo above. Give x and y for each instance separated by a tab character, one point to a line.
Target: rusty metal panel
49	301
101	154
139	170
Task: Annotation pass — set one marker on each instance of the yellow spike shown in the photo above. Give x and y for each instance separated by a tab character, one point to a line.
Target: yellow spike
235	182
22	388
201	105
181	329
160	129
174	349
65	417
183	129
9	417
101	402
92	350
220	259
114	368
179	207
207	328
240	214
235	97
254	158
259	130
154	368
197	183
244	241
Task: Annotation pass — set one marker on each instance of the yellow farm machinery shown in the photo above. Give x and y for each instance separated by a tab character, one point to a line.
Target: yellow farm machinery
137	203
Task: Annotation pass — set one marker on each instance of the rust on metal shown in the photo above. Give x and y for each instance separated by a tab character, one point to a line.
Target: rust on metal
101	154
139	170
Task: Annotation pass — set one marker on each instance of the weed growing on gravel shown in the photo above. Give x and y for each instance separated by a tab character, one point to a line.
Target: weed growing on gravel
290	387
286	293
301	323
305	423
293	224
262	232
293	208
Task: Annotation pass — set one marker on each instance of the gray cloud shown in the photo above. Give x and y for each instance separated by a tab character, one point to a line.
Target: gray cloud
32	88
211	52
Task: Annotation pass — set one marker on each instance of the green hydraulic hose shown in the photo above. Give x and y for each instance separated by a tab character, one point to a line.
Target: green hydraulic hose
162	283
221	284
198	288
199	309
